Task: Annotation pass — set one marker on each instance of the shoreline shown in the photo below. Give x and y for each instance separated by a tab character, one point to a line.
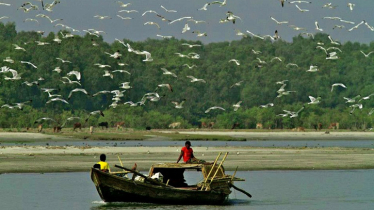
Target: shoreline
182	135
42	159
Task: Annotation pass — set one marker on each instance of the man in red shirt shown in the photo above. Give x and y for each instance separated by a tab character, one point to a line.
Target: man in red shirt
187	154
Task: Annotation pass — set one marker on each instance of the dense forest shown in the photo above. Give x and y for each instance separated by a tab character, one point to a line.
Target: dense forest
259	86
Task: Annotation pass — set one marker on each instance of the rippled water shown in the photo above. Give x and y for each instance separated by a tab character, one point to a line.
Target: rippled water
291	190
265	143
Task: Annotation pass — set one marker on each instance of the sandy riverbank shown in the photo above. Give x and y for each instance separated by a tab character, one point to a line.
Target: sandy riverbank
65	159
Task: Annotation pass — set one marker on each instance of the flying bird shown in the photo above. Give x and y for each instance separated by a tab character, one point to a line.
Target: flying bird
213	108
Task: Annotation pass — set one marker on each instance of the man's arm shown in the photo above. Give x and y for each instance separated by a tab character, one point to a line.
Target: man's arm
180	156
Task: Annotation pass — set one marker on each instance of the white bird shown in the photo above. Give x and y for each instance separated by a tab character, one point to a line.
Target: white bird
57	69
279	22
121	4
166	72
70	81
128	11
293	2
332	41
214	107
282	83
9	60
276	58
223	3
102	17
167	9
296	114
301	10
337	84
149	11
338	26
205	7
101	65
346	21
261	61
235	61
237	84
125	85
57	99
237	106
254	35
239	33
197	21
352	100
231	17
4	17
193	79
63	61
266	105
30	19
101	92
190	67
317	26
31	83
77	74
148	56
256	52
350	5
166	85
179	105
191	45
369	26
334	48
152	23
41	43
185	28
312	68
179	19
29	64
121	71
77	90
356	26
5	4
314	100
164	37
115	55
108	74
366	55
125	18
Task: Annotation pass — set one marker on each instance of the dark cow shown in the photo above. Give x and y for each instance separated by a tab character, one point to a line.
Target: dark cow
210	125
148	128
104	124
235	125
57	129
77	125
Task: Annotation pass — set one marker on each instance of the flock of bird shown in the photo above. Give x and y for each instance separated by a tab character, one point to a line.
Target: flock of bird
74	77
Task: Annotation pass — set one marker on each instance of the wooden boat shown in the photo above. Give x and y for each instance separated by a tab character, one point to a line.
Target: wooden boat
171	189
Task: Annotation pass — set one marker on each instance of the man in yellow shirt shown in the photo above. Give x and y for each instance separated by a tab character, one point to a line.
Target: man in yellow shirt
104	166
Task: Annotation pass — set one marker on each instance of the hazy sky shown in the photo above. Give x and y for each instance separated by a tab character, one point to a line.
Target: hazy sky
255	14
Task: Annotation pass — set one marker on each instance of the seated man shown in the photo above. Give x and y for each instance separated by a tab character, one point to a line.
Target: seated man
104	166
187	154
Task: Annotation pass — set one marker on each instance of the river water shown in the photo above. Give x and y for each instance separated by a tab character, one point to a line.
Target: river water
291	190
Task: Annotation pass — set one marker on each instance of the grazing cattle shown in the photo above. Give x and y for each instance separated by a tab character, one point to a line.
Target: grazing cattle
300	129
57	129
235	125
104	124
40	128
175	125
259	126
334	126
91	129
203	125
148	128
77	125
210	125
319	126
119	125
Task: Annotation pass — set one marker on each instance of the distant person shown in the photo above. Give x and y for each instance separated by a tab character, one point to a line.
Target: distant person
187	154
104	166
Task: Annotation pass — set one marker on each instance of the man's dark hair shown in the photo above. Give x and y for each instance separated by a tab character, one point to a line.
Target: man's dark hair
102	157
188	142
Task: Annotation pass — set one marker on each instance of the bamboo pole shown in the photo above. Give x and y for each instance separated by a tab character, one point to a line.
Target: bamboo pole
233	176
120	160
219	166
211	169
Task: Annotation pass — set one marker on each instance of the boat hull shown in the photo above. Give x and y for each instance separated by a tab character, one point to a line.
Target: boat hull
112	188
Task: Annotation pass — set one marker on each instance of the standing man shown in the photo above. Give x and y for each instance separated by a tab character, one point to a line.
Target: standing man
187	154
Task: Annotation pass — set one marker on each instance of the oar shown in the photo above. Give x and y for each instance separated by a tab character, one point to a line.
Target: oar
145	177
240	190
